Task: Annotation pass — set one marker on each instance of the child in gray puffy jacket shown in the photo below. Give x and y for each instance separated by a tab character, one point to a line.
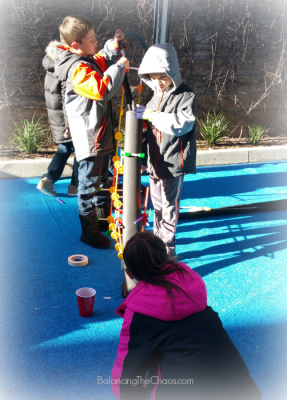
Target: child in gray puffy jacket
170	115
55	103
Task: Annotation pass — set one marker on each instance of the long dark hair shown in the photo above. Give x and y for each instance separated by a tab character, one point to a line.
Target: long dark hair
145	256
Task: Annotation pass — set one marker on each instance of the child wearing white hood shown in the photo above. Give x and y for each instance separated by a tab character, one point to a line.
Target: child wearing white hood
170	114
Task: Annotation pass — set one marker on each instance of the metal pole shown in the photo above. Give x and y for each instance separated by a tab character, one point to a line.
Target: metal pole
163	21
131	186
169	12
155	22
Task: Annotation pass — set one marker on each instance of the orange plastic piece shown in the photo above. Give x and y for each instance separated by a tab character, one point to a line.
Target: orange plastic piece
115	158
110	219
139	87
118	135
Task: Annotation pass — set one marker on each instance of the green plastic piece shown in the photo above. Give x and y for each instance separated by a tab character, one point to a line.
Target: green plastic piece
99	189
141	155
108	233
98	218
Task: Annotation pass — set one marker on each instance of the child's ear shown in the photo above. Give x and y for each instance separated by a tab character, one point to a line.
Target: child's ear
129	274
75	46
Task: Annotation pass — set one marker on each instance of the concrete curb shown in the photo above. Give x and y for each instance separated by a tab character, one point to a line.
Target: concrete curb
28	168
241	156
36	168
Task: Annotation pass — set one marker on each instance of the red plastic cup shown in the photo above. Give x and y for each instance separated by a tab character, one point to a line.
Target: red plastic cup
86	299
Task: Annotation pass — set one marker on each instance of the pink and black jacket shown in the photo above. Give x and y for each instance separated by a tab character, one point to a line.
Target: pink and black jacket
179	353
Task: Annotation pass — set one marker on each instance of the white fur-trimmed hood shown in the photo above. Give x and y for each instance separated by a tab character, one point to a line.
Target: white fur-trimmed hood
51	49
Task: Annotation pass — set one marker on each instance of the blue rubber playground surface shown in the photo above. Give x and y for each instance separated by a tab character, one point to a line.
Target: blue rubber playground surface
49	352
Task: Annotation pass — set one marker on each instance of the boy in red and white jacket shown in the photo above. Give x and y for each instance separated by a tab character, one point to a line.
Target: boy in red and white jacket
92	80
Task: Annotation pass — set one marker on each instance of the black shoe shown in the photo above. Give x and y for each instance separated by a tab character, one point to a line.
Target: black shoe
103	213
91	234
103	225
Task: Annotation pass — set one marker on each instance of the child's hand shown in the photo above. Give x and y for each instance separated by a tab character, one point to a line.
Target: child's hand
67	133
125	62
139	111
119	35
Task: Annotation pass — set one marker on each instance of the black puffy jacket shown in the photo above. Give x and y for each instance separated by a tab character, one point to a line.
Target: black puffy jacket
55	96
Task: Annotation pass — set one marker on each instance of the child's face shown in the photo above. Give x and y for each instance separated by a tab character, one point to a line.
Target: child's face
161	81
88	45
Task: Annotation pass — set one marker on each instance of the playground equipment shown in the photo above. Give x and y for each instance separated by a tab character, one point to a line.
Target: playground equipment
128	218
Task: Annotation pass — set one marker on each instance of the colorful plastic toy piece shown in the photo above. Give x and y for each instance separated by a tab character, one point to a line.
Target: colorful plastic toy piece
110	219
118	135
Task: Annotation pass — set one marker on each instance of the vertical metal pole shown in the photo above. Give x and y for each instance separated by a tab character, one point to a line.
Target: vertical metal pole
132	186
163	21
169	12
155	21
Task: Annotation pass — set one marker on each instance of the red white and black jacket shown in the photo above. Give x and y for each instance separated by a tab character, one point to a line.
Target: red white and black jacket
91	82
179	353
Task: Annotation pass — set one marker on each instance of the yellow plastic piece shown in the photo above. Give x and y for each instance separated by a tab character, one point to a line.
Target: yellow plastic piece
112	227
112	189
121	256
117	164
121	111
118	135
117	204
118	247
114	235
115	158
121	169
110	219
115	196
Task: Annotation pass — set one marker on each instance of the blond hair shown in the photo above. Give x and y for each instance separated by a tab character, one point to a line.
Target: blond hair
74	28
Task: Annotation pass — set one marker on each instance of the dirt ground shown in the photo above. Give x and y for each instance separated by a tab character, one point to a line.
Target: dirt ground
9	153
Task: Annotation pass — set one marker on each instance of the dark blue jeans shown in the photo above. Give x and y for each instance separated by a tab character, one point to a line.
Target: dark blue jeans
57	165
93	173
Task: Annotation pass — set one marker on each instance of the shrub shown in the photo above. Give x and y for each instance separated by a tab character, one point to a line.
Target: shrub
256	133
28	136
212	127
122	140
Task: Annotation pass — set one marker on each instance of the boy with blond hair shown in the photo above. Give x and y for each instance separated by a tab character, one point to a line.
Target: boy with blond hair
92	80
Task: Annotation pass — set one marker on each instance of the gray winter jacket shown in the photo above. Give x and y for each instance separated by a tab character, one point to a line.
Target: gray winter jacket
55	96
171	133
91	83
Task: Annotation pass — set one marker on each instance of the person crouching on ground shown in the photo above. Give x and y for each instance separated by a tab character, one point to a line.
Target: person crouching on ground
172	344
92	80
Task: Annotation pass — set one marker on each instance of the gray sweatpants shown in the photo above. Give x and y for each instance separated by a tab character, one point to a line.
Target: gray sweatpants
165	196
